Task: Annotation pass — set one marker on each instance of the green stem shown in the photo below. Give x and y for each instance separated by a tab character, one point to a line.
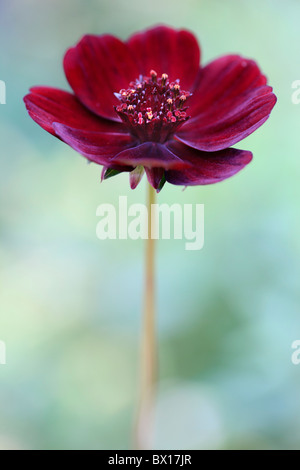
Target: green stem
144	422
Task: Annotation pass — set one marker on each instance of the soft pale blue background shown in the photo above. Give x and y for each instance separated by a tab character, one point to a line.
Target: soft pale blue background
71	305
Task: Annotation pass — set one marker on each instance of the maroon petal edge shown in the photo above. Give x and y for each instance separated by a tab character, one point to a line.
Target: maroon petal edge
98	147
47	105
96	68
206	167
150	155
167	50
230	102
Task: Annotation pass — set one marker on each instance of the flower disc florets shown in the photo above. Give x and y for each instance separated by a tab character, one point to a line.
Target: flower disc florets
153	108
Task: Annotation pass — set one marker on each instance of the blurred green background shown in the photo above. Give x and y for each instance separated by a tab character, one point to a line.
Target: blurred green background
71	305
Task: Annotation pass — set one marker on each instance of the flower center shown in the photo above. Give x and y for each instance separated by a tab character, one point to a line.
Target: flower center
153	108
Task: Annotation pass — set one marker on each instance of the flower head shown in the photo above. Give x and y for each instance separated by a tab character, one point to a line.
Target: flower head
147	105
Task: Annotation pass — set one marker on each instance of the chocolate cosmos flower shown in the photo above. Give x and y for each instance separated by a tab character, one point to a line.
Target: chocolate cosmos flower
147	104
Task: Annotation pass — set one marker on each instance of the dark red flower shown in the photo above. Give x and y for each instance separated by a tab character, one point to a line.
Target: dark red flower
147	104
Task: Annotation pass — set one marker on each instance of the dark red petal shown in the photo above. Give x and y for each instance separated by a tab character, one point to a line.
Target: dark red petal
98	147
150	155
96	68
230	102
155	176
207	167
47	105
231	129
167	50
224	80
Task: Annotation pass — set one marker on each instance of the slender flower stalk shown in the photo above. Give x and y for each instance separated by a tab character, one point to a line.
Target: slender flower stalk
145	416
